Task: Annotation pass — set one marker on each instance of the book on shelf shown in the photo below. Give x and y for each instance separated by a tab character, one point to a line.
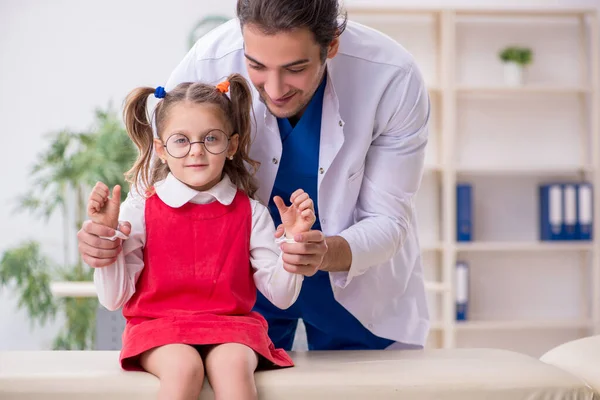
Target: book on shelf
584	211
565	211
464	212
462	290
569	220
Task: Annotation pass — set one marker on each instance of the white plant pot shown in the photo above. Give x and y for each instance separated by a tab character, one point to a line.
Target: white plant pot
513	74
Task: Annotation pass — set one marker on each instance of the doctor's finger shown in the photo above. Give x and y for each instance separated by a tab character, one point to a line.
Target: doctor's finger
313	236
306	270
301	259
93	229
302	248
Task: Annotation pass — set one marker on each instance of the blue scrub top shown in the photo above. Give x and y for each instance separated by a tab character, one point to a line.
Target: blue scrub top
299	164
329	326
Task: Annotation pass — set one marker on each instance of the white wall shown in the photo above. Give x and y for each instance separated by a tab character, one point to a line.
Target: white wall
58	61
61	59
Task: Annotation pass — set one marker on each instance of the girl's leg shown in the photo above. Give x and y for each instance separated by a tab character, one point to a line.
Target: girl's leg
230	370
179	368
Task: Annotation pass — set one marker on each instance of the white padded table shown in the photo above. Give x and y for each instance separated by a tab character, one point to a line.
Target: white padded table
580	357
458	374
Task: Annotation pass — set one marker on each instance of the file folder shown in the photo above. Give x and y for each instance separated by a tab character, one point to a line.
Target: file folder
464	213
585	213
462	290
551	212
570	211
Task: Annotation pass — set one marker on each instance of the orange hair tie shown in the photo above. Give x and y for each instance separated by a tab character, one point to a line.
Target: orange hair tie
223	87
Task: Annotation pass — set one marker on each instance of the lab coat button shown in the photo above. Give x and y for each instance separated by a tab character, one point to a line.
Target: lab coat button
275	161
341	123
321	171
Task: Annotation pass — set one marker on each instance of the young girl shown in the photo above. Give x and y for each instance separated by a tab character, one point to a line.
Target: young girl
199	245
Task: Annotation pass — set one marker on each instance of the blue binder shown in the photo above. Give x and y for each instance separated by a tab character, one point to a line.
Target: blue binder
569	222
585	213
462	290
464	213
551	211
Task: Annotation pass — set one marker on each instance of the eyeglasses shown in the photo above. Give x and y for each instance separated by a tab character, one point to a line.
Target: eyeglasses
179	145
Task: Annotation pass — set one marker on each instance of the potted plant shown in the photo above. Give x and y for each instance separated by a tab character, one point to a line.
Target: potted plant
70	165
515	60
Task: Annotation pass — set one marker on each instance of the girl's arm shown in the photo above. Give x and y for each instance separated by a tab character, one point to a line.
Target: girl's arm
275	283
115	283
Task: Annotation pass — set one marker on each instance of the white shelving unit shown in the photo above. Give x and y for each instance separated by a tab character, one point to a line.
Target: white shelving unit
505	141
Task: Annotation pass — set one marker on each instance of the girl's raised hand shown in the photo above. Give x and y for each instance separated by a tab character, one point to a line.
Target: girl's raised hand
104	210
299	216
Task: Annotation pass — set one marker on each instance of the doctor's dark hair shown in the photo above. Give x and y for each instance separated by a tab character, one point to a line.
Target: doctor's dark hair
324	18
236	110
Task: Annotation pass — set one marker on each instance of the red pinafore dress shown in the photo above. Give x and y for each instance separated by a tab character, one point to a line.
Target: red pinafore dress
196	287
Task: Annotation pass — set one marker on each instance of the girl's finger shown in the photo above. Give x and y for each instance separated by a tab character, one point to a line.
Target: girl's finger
94	206
301	198
306	204
308	213
280	205
102	187
97	197
296	194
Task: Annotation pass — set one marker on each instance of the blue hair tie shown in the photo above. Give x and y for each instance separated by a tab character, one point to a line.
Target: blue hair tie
160	92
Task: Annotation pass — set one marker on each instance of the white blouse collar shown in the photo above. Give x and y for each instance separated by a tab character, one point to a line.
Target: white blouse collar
175	193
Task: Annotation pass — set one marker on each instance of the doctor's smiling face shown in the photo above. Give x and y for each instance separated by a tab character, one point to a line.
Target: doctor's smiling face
286	68
286	44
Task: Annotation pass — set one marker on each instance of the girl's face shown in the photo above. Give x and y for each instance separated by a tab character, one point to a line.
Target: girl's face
186	126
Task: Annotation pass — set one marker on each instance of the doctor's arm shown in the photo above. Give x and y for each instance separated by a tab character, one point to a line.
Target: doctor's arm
393	172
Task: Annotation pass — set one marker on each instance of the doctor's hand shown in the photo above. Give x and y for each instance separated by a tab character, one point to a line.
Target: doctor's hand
306	255
104	214
95	251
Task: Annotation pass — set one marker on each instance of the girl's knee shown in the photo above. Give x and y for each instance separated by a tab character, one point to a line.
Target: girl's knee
187	371
231	358
174	363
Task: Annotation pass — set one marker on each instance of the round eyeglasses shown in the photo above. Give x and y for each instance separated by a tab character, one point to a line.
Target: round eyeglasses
179	145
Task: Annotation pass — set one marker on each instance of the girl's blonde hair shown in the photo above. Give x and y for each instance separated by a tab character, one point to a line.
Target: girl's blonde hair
147	169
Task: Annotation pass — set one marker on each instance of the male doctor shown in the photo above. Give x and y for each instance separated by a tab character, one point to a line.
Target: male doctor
341	111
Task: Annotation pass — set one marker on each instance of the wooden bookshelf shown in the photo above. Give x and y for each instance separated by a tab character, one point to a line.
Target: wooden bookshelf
457	50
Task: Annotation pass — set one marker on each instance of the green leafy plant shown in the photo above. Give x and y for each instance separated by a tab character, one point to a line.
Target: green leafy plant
520	55
72	163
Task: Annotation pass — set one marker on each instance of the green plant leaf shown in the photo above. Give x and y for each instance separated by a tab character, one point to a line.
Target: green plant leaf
71	162
26	270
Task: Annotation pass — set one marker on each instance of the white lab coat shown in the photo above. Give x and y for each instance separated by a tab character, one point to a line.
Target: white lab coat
373	137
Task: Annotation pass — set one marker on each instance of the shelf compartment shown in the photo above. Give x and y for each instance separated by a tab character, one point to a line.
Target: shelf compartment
524	246
526	171
518	325
525	89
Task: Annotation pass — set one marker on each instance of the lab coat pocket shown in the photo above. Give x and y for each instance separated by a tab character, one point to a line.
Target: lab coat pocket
358	174
352	188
